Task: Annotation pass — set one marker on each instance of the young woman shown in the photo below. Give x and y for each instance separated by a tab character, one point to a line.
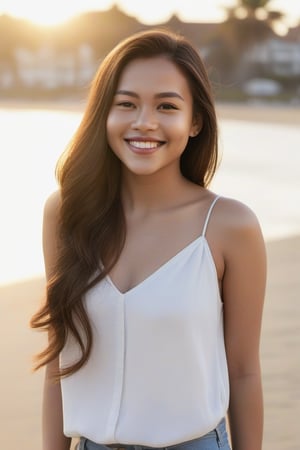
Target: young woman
155	284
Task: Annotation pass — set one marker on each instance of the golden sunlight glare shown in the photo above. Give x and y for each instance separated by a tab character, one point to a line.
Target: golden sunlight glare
49	13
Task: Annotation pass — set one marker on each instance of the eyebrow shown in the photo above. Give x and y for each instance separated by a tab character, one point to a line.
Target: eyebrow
159	95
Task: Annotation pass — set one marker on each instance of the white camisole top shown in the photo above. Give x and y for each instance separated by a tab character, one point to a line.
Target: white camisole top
157	374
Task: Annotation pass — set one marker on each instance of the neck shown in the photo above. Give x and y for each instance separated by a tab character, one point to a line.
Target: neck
150	193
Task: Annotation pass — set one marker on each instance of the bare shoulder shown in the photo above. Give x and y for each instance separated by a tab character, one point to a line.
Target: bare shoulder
235	218
50	230
238	227
235	239
52	205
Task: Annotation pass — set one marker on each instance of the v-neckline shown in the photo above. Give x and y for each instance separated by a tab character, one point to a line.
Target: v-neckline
156	271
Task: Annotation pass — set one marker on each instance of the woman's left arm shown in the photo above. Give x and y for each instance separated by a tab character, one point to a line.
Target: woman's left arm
243	291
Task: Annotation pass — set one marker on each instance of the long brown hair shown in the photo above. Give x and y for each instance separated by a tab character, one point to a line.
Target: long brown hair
91	223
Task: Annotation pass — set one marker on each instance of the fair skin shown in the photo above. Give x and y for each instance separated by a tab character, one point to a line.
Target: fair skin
53	437
149	124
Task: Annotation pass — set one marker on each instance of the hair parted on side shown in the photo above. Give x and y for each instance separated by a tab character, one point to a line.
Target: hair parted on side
92	226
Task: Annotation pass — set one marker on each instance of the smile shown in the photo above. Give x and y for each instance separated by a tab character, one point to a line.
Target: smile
148	145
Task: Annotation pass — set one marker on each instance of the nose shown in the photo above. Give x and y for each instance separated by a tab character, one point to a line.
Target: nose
145	119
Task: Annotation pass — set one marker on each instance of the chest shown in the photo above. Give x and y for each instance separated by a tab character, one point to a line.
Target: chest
182	291
155	240
147	250
148	253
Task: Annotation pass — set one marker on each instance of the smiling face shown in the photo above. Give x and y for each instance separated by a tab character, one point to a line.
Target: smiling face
151	117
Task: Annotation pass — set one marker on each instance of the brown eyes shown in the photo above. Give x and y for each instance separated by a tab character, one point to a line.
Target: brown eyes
161	106
125	104
167	106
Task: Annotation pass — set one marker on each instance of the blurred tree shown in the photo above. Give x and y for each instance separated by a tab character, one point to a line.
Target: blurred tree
248	24
251	6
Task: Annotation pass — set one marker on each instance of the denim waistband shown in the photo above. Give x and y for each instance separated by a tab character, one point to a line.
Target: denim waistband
219	434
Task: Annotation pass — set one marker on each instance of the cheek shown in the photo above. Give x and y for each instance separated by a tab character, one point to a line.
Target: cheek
110	123
181	129
182	123
111	128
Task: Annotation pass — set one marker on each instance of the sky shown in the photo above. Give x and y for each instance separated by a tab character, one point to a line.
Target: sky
48	13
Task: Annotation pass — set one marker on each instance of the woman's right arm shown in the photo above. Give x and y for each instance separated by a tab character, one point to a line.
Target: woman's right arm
52	424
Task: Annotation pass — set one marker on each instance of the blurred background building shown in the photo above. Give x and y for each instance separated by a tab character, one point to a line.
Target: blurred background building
245	55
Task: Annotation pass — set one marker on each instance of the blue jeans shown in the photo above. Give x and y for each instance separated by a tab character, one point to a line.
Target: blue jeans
214	440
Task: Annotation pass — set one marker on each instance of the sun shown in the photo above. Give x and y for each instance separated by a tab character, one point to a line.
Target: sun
46	18
49	13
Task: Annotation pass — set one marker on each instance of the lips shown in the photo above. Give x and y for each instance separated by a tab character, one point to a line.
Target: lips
144	145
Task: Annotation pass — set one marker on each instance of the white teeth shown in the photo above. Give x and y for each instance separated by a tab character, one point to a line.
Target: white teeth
144	144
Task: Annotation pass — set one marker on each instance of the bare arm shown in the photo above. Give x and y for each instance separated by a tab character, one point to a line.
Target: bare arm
53	437
243	293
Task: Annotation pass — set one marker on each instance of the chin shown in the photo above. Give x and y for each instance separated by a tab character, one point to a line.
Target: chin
135	170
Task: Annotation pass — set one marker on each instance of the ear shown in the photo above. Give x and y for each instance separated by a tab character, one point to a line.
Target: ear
196	126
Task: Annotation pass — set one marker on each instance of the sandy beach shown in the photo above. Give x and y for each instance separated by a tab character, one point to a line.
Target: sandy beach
21	390
260	112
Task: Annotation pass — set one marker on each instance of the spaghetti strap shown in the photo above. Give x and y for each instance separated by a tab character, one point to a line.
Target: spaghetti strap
209	213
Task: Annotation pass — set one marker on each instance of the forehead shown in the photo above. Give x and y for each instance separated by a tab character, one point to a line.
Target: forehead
157	73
